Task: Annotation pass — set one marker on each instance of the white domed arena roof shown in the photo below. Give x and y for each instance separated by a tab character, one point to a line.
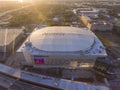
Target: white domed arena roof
62	39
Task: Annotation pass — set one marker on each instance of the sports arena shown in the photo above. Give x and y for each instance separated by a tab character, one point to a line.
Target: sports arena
62	46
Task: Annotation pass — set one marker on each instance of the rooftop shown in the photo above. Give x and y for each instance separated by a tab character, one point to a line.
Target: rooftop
62	39
8	35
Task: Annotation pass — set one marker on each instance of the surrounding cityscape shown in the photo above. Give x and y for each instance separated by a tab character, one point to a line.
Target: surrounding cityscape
64	26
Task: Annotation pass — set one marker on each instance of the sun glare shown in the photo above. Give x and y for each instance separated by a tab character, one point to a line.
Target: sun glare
20	1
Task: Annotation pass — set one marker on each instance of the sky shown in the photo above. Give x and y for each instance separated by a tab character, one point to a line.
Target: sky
15	0
9	0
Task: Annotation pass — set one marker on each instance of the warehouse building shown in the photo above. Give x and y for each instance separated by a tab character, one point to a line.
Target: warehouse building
96	24
9	38
90	12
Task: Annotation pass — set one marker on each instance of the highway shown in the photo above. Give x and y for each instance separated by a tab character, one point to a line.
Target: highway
15	84
47	82
27	77
13	10
4	21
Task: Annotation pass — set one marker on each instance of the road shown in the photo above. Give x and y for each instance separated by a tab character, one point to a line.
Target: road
2	22
108	39
13	10
8	83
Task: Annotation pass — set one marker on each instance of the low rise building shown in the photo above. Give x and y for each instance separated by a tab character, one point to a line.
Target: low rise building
86	11
96	24
101	25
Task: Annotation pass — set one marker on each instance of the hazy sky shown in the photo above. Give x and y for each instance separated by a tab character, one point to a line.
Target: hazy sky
9	0
14	0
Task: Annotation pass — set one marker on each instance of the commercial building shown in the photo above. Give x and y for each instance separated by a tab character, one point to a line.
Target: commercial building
96	24
90	12
101	25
